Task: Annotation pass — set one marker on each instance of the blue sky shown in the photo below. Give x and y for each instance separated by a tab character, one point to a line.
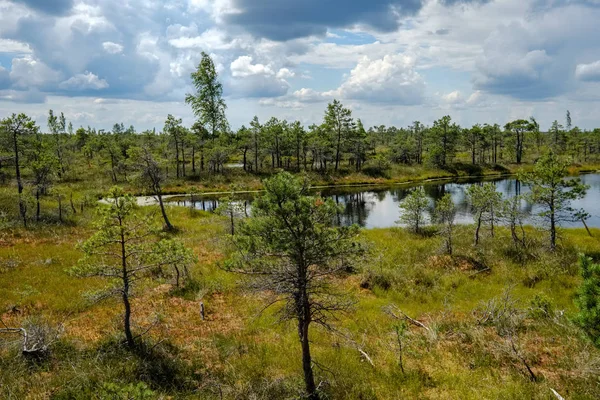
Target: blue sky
390	61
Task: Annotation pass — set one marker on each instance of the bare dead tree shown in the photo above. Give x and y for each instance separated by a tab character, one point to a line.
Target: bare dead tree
151	177
36	337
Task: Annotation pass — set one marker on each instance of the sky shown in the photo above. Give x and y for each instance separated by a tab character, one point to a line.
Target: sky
391	62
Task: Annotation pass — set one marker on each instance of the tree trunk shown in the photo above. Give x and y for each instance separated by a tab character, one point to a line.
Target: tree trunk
126	304
60	209
72	205
177	157
164	212
309	379
194	159
256	152
477	229
22	207
37	200
552	228
337	151
202	158
298	156
183	159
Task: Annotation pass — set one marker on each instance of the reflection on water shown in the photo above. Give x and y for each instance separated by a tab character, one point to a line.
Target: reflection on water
377	207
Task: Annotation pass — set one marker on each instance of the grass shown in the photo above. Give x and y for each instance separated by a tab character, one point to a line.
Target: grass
238	352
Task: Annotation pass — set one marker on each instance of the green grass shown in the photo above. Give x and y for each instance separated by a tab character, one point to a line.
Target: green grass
238	352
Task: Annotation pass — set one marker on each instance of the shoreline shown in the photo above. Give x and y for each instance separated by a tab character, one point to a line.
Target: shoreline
148	200
143	199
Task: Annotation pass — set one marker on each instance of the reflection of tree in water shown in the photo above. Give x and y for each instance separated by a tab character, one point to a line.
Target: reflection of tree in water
356	207
371	205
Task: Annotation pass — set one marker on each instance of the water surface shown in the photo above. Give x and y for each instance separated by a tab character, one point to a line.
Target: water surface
377	207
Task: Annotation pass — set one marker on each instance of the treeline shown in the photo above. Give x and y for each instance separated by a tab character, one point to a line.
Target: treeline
338	143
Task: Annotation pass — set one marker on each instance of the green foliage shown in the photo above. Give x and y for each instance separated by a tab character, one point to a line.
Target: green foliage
207	103
486	205
443	138
541	307
516	131
131	391
445	212
291	248
339	124
588	299
554	193
125	250
413	208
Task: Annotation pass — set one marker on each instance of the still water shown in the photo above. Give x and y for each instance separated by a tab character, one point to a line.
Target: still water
377	207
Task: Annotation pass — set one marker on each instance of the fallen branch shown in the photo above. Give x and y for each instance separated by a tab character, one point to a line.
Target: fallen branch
558	396
366	356
532	376
394	311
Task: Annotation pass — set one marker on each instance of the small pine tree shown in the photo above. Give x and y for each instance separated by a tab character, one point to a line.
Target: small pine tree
413	209
485	201
588	299
125	250
553	192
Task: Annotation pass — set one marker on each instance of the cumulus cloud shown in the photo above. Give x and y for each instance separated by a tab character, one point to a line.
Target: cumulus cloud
588	72
533	57
456	100
242	67
378	52
391	79
453	97
28	72
188	38
307	95
13	46
112	48
255	79
83	82
285	73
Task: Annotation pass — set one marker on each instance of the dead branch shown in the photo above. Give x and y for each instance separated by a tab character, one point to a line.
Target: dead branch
532	376
555	393
397	313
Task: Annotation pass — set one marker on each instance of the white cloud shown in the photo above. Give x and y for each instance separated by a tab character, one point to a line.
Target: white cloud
475	98
391	79
217	9
588	72
84	82
285	73
28	72
209	40
112	48
307	95
242	67
14	46
453	97
86	19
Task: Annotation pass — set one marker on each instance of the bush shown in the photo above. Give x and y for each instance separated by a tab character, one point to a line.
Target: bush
588	299
541	307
